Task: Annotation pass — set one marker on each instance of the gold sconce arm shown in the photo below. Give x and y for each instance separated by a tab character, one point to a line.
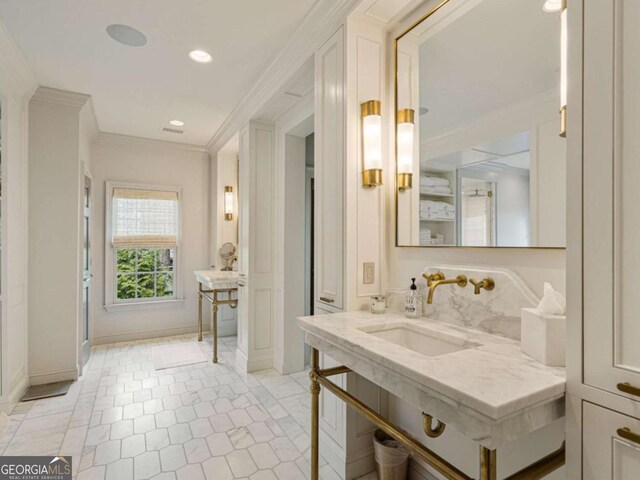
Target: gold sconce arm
427	426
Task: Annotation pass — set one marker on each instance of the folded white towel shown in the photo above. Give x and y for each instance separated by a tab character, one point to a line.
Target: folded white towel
428	215
445	215
433	181
442	189
429	206
438	190
447	207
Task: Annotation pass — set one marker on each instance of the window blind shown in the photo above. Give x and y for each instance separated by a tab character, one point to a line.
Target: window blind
144	218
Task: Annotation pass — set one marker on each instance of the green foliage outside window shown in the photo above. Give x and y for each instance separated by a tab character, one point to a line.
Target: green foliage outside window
144	273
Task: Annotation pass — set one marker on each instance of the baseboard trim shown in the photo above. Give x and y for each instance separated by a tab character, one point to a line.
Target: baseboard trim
254	365
278	365
333	453
143	335
52	377
7	403
360	464
19	390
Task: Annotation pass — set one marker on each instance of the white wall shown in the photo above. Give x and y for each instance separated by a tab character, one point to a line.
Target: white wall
14	253
127	159
17	84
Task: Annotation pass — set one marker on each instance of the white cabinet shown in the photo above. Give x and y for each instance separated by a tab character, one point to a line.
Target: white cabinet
608	446
329	171
611	195
603	364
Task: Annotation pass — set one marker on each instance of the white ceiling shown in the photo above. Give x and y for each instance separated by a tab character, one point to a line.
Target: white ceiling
498	53
136	91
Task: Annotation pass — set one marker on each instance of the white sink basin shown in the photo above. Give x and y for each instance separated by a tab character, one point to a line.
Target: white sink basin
217	278
420	340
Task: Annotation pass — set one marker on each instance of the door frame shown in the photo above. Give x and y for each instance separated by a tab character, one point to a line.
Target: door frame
84	346
291	130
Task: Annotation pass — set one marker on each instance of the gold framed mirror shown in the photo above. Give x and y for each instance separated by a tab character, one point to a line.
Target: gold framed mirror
479	158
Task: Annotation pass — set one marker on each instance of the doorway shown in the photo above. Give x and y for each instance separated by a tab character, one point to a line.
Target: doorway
296	159
477	213
86	270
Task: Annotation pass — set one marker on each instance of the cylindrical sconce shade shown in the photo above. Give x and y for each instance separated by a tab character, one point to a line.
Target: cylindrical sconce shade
228	203
404	139
371	143
563	68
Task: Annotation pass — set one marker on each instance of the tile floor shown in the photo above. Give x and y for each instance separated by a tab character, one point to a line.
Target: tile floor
124	420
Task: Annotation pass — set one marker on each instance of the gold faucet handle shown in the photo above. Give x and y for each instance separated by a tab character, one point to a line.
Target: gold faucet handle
486	283
461	280
434	277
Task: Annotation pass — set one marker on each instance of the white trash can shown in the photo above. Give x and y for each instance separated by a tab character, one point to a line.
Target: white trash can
392	458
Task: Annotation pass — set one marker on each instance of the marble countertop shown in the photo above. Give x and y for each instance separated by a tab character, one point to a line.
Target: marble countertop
217	279
489	390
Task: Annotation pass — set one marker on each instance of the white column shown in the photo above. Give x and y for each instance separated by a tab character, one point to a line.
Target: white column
256	247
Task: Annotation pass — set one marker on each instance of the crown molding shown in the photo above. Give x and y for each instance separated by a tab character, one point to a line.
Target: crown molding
128	140
16	78
60	98
322	20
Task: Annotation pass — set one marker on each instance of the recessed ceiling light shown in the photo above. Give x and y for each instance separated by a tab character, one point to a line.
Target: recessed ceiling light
176	123
552	6
200	56
127	35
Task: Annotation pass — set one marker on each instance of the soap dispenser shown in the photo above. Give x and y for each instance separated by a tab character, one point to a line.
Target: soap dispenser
413	302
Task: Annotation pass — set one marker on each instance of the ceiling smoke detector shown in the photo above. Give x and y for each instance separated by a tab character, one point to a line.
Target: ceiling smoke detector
127	35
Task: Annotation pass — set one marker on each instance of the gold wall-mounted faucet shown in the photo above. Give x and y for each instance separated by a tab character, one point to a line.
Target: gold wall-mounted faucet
430	278
438	279
487	283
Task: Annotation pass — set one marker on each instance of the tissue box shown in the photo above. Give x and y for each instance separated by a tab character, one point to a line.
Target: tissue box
543	337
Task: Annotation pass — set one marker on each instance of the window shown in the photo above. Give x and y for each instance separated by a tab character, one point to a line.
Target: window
143	273
143	245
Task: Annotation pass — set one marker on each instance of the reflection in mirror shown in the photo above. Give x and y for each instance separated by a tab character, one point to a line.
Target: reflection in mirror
483	78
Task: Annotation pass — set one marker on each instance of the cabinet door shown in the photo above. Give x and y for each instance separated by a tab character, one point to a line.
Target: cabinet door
332	409
611	195
329	166
605	453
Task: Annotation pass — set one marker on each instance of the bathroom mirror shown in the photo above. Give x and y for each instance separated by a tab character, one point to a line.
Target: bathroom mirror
477	99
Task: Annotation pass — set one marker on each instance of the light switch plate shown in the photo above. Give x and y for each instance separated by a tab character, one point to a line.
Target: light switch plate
369	273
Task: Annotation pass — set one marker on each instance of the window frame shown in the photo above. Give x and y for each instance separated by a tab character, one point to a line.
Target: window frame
112	303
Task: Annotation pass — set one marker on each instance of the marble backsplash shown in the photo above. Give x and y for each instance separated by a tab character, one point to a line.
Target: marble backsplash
496	312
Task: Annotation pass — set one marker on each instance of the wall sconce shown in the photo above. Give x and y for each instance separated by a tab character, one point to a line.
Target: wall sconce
370	112
563	68
404	139
228	202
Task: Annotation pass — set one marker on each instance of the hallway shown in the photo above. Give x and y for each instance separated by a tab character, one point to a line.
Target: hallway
125	420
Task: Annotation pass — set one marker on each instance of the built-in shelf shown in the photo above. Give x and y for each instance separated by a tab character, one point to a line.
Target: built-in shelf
437	219
428	194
